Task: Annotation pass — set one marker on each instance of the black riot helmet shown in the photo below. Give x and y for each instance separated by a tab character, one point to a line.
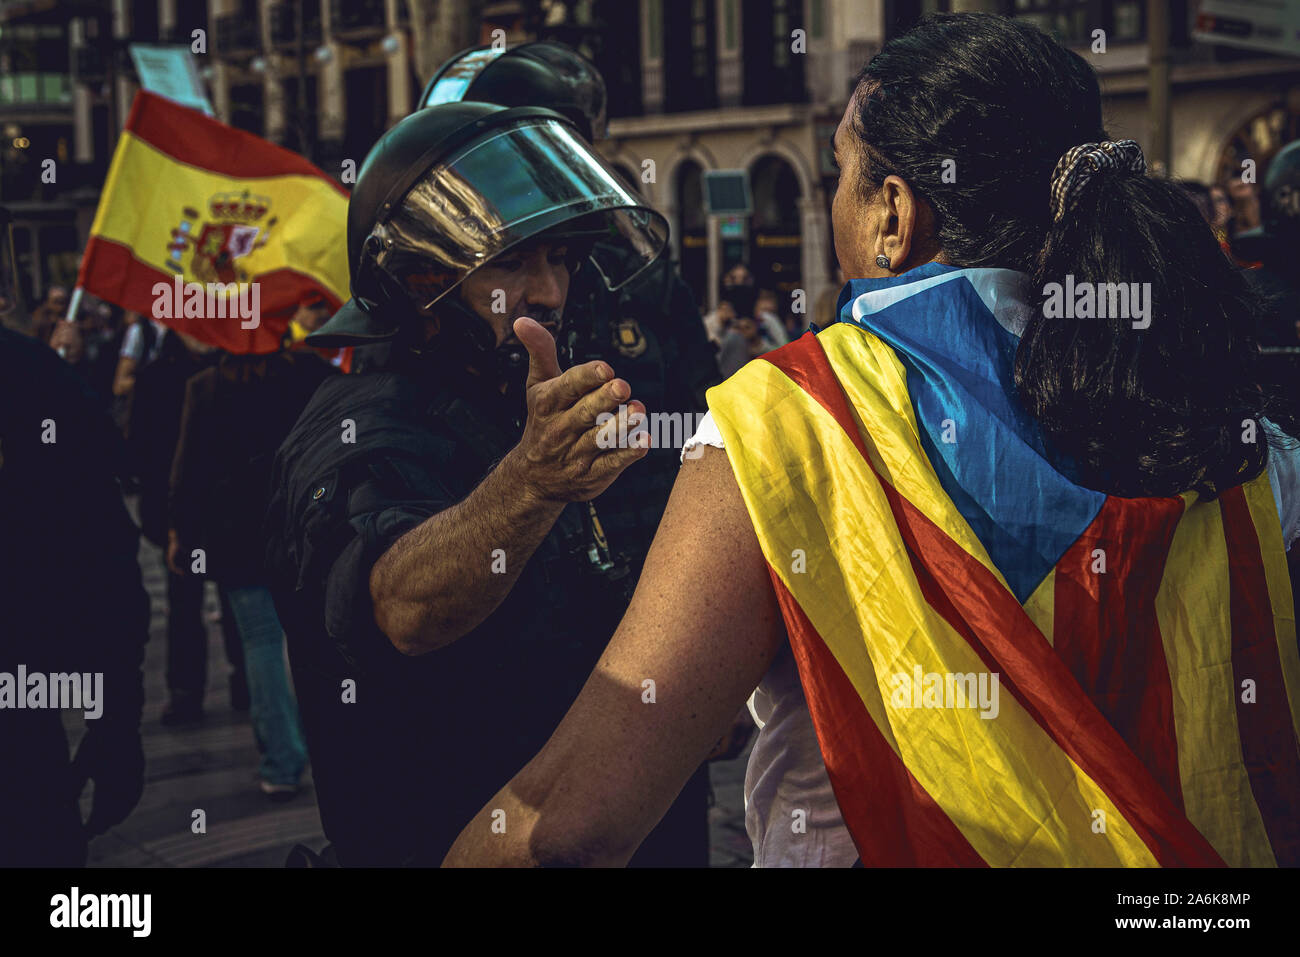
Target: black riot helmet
452	187
531	74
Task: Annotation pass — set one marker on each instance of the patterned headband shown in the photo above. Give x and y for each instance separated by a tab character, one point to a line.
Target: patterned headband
1082	162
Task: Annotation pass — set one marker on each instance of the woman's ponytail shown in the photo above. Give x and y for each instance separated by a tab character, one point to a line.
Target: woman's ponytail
1140	364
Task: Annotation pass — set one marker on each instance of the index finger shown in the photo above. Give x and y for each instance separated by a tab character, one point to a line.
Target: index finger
566	389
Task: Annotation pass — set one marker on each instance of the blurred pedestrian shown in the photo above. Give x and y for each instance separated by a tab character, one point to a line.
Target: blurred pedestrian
767	313
46	316
717	320
140	344
744	339
152	434
236	414
1275	245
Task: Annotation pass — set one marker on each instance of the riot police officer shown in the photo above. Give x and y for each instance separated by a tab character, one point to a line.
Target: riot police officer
650	328
439	565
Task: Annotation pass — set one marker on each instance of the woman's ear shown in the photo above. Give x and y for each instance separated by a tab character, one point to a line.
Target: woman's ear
897	220
906	226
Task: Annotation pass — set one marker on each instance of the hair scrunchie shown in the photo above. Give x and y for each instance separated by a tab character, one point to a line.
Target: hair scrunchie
1082	162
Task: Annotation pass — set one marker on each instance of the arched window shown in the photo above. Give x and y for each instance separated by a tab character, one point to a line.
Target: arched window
693	227
1259	138
776	240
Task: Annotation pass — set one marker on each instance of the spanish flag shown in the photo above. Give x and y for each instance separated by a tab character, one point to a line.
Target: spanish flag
926	550
213	231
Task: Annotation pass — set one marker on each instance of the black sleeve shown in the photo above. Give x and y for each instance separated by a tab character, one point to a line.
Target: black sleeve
348	518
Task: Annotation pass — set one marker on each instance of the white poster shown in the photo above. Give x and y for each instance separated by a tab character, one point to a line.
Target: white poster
170	71
1271	26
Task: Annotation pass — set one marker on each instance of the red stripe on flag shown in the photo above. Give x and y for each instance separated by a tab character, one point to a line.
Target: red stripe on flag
1268	741
893	820
980	609
191	137
1107	632
111	272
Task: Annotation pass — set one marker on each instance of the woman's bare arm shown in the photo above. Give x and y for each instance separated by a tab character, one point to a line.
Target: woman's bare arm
703	626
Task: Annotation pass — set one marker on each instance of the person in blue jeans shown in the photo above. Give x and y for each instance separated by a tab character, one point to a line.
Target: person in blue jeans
235	416
274	710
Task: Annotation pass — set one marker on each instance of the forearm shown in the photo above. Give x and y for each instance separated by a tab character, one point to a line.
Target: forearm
482	845
528	824
444	577
124	376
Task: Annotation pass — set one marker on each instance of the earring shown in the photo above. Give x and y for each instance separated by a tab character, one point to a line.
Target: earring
882	261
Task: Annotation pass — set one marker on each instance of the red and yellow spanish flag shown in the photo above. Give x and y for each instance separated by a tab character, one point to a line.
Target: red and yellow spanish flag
191	207
921	542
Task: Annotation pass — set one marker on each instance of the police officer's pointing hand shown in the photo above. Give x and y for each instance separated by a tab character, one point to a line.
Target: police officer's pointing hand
564	455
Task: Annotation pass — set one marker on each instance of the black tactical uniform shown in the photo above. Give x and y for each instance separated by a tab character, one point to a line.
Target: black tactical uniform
651	335
430	739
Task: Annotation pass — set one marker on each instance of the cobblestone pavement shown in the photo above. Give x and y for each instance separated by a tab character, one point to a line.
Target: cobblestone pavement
211	767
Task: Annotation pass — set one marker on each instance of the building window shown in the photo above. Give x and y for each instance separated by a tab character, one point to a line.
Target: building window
144	21
692	228
1128	20
654	29
34	64
773	74
246	107
1072	21
701	48
690	77
902	15
776	238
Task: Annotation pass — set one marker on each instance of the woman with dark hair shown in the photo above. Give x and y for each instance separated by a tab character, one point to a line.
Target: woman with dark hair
1002	549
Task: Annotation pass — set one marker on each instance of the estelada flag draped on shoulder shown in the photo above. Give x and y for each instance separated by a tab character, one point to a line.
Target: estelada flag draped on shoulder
918	536
192	199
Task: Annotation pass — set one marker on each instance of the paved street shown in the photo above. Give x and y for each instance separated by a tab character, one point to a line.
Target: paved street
211	767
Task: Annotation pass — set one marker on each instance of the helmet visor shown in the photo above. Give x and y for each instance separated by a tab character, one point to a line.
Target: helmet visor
512	185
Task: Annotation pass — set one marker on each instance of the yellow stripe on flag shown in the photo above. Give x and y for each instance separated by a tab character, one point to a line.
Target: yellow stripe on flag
1263	512
1196	630
1041	607
1013	793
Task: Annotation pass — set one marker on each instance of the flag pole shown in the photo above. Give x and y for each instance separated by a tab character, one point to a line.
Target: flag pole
74	304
